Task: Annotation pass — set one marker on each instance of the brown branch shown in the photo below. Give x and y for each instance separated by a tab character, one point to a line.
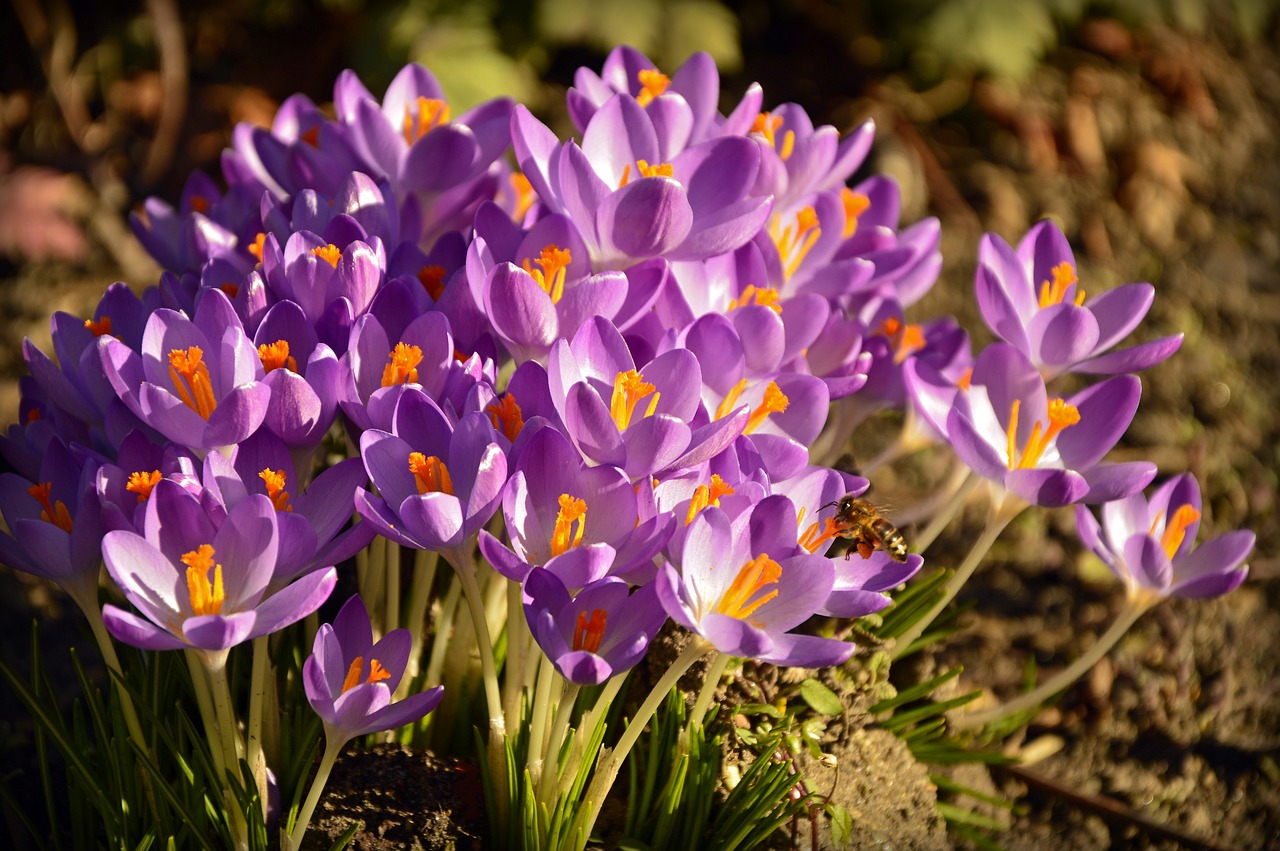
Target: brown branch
54	40
171	45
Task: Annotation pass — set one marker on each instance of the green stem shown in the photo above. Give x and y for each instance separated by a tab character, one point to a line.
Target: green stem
607	772
547	677
200	684
555	743
108	650
332	749
1133	610
586	726
216	664
1002	513
424	577
714	674
465	569
517	645
257	694
940	520
393	587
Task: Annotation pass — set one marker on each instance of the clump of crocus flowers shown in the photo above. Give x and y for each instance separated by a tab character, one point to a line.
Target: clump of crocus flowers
602	378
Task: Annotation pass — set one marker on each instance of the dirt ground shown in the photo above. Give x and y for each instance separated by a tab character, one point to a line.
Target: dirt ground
1159	155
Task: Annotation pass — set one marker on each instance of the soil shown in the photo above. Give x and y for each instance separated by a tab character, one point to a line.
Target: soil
1158	153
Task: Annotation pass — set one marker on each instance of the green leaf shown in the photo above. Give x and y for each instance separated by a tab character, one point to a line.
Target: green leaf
820	698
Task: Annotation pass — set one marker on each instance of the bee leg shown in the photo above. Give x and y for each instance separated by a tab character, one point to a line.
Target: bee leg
865	549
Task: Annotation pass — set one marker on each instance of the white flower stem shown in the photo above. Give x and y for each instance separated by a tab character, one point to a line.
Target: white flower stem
555	743
714	674
257	695
424	577
216	664
517	647
332	749
607	772
200	684
547	677
1002	514
586	726
1133	610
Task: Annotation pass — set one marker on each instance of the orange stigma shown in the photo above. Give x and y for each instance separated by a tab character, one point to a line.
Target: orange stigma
432	113
232	290
965	379
775	402
566	534
276	356
255	247
330	253
199	204
431	473
274	480
704	495
652	84
817	535
206	596
763	296
1064	275
402	365
97	329
905	340
588	632
742	597
54	512
554	261
141	483
767	125
432	278
795	241
1176	530
191	379
377	673
628	389
1061	416
522	195
855	204
645	170
506	416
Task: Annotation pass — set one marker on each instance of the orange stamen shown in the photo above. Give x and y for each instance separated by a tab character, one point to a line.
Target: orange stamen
905	340
741	600
329	253
855	204
587	634
275	482
813	539
312	136
142	482
432	278
965	379
628	389
566	535
652	84
402	365
506	416
206	597
767	125
763	296
1061	416
1176	531
199	204
730	400
191	379
554	262
255	247
54	512
276	356
1064	275
775	402
646	170
97	329
232	290
795	242
523	193
704	495
432	113
431	473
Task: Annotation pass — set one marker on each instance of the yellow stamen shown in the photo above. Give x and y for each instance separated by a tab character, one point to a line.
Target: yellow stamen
855	204
730	400
506	416
432	113
255	247
767	125
905	340
192	381
377	673
554	261
628	389
652	84
1061	416
818	534
704	495
1064	275
402	365
432	278
206	597
275	482
763	296
775	402
232	290
431	473
329	253
142	482
1176	531
646	170
523	193
587	634
276	356
97	329
965	379
795	242
737	601
54	512
566	535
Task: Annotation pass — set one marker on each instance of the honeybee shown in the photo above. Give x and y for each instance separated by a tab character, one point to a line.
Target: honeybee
861	522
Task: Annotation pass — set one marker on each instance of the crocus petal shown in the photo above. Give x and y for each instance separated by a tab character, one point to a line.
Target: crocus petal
1109	482
1047	487
435	519
136	632
295	602
219	632
807	651
646	217
1106	409
1062	334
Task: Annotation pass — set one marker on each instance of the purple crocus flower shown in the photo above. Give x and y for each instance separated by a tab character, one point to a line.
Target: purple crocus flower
437	484
1046	451
303	374
124	486
204	585
742	586
198	382
597	634
798	159
577	521
350	680
1031	300
1149	544
381	362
